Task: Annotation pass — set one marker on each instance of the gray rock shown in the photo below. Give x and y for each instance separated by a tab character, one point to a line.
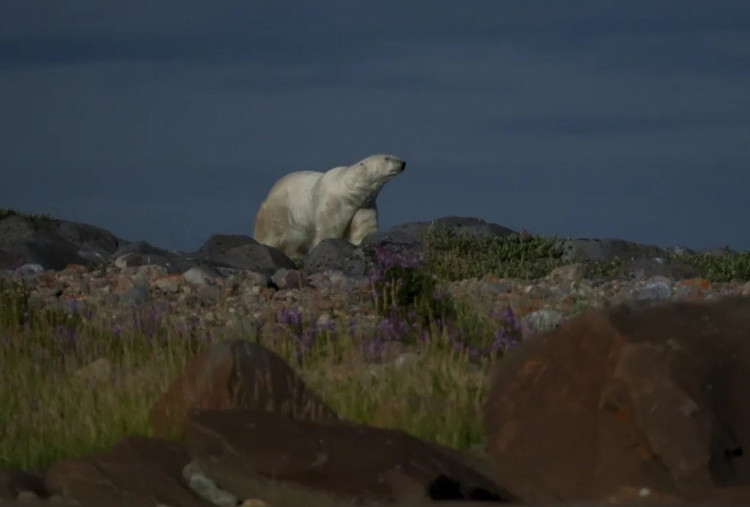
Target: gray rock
90	239
201	275
207	488
135	296
255	279
244	253
607	249
49	254
140	247
543	320
469	225
328	279
236	251
136	259
209	293
30	269
288	279
336	255
150	271
169	284
642	269
222	243
53	243
658	290
141	253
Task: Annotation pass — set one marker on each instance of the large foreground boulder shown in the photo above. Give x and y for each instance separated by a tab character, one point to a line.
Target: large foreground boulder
349	461
234	375
652	397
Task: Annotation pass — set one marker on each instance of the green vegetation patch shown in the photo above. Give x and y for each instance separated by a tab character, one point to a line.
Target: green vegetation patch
719	268
452	255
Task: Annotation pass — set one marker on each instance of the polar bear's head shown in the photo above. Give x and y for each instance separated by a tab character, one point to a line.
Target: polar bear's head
361	182
381	168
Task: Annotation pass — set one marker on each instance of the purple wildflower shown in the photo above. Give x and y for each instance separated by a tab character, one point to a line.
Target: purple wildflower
289	316
509	331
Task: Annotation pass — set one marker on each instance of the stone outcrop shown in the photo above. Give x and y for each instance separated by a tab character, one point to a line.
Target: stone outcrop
646	396
43	243
236	375
336	255
242	252
52	243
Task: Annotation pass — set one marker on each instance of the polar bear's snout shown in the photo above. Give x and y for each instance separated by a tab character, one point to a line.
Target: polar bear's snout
397	162
395	165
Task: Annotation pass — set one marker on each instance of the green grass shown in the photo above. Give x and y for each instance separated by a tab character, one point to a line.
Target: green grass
457	256
727	268
53	409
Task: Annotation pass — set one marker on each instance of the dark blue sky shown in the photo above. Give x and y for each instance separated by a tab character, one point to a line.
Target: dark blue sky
169	121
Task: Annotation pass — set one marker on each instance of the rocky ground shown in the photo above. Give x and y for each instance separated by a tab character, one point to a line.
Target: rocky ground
79	266
205	297
232	282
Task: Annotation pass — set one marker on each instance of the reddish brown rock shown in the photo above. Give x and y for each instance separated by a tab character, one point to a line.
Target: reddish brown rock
236	374
636	397
136	471
351	461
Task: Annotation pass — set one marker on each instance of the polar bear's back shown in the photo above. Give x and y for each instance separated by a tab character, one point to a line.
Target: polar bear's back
294	184
282	219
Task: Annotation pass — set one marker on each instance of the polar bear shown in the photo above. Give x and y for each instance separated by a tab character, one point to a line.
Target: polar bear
303	208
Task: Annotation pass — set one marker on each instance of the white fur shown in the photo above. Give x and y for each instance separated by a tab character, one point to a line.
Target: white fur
304	208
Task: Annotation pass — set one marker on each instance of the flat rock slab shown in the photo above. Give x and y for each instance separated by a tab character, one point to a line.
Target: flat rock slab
347	460
648	396
136	471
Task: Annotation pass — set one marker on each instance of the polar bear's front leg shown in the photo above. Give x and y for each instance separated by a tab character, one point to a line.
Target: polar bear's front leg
331	220
364	222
